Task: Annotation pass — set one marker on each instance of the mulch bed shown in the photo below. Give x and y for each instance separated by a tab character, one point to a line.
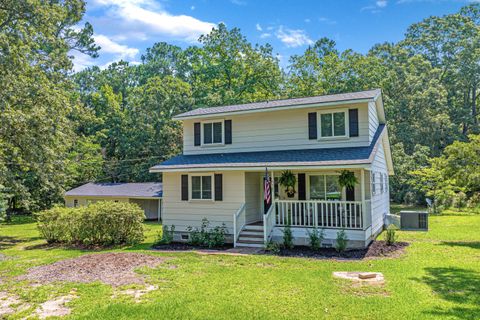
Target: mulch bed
180	246
378	249
116	269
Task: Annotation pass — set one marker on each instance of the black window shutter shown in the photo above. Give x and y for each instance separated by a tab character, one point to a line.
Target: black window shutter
218	187
350	193
312	125
184	187
196	133
302	190
228	131
353	122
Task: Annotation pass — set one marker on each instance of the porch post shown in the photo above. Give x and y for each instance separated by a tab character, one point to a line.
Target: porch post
362	181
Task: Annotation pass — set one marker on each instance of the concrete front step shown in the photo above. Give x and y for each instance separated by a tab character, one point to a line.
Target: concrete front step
252	228
251	245
250	238
252	232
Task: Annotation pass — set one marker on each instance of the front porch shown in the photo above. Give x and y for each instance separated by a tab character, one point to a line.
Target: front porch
325	207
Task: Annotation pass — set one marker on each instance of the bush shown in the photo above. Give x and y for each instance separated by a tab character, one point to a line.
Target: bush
474	200
166	236
100	224
390	235
272	247
207	237
341	241
288	237
460	201
316	238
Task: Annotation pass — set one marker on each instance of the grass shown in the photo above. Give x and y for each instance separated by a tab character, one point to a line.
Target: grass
437	278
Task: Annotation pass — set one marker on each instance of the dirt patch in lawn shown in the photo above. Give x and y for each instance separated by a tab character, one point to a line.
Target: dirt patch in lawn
378	249
116	269
179	246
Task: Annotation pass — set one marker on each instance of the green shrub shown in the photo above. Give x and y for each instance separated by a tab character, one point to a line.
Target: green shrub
287	237
316	238
206	236
390	235
272	247
166	236
100	224
460	200
341	241
474	200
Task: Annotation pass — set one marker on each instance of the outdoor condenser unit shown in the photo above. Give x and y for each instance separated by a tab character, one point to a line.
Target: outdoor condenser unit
414	220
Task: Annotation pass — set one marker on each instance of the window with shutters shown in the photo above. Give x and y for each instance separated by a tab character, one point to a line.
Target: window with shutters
374	189
201	187
333	124
213	133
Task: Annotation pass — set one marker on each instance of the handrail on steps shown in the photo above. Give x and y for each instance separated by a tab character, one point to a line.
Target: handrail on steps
239	214
268	223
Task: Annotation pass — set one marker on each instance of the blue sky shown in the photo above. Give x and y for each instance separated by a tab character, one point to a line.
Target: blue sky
125	28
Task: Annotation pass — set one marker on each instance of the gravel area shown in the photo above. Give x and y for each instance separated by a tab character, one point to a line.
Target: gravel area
115	269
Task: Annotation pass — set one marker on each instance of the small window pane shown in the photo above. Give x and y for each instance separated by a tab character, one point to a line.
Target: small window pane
207	133
326	124
339	124
217	132
317	187
333	188
196	187
207	187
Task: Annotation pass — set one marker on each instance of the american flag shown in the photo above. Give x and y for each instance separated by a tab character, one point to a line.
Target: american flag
267	195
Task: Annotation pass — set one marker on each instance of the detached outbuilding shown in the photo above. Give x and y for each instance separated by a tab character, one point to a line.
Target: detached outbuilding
147	195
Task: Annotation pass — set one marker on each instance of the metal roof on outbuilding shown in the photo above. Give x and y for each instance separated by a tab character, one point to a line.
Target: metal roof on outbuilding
133	190
278	104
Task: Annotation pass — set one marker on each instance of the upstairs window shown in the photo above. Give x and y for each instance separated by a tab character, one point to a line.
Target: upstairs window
333	124
202	187
212	132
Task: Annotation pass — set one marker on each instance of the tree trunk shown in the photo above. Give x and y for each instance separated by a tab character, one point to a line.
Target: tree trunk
474	104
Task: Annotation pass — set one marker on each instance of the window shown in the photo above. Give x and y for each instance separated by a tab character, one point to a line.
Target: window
212	132
382	189
374	189
333	124
325	187
202	187
75	203
386	182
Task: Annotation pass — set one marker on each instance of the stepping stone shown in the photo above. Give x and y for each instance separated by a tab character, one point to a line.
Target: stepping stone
364	277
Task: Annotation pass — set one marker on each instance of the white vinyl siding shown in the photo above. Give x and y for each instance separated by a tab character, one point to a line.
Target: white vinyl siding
373	120
380	201
277	130
190	213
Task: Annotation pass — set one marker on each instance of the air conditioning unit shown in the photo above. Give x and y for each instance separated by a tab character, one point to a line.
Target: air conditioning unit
414	220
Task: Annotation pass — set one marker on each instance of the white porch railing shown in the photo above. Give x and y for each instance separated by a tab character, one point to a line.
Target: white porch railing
238	223
321	214
268	223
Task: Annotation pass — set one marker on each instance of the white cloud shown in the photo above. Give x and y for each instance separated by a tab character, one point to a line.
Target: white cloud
109	46
307	20
381	3
293	37
327	20
239	2
192	8
258	27
265	35
81	61
149	17
376	7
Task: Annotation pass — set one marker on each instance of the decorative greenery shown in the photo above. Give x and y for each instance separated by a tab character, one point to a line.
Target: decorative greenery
341	241
347	179
166	236
316	238
287	237
206	236
272	247
100	224
288	180
390	235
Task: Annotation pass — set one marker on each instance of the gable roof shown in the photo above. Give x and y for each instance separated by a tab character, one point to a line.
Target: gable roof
133	190
281	158
351	97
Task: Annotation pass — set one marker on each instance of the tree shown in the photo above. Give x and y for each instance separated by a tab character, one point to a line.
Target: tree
36	99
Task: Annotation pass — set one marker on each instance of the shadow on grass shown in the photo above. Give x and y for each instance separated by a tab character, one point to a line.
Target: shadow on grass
467	244
8	242
456	285
20	219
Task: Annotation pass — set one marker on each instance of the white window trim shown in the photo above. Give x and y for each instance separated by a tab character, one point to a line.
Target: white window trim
307	185
373	187
190	184
332	111
218	144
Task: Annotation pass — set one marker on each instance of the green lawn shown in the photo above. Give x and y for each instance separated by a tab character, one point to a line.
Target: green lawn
437	278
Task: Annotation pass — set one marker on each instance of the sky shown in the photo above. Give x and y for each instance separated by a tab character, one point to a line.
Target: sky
125	28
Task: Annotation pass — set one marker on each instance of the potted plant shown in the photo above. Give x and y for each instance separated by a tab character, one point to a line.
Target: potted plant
288	180
347	179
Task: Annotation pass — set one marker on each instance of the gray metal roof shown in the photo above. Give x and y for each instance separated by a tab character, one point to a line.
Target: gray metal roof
341	97
141	190
304	157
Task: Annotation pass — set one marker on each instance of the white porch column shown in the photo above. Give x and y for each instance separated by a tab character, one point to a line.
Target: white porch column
364	207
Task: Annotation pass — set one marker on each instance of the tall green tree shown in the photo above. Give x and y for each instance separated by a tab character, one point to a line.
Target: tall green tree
36	96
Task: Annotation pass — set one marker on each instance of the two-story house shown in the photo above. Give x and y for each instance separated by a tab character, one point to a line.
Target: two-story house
228	149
